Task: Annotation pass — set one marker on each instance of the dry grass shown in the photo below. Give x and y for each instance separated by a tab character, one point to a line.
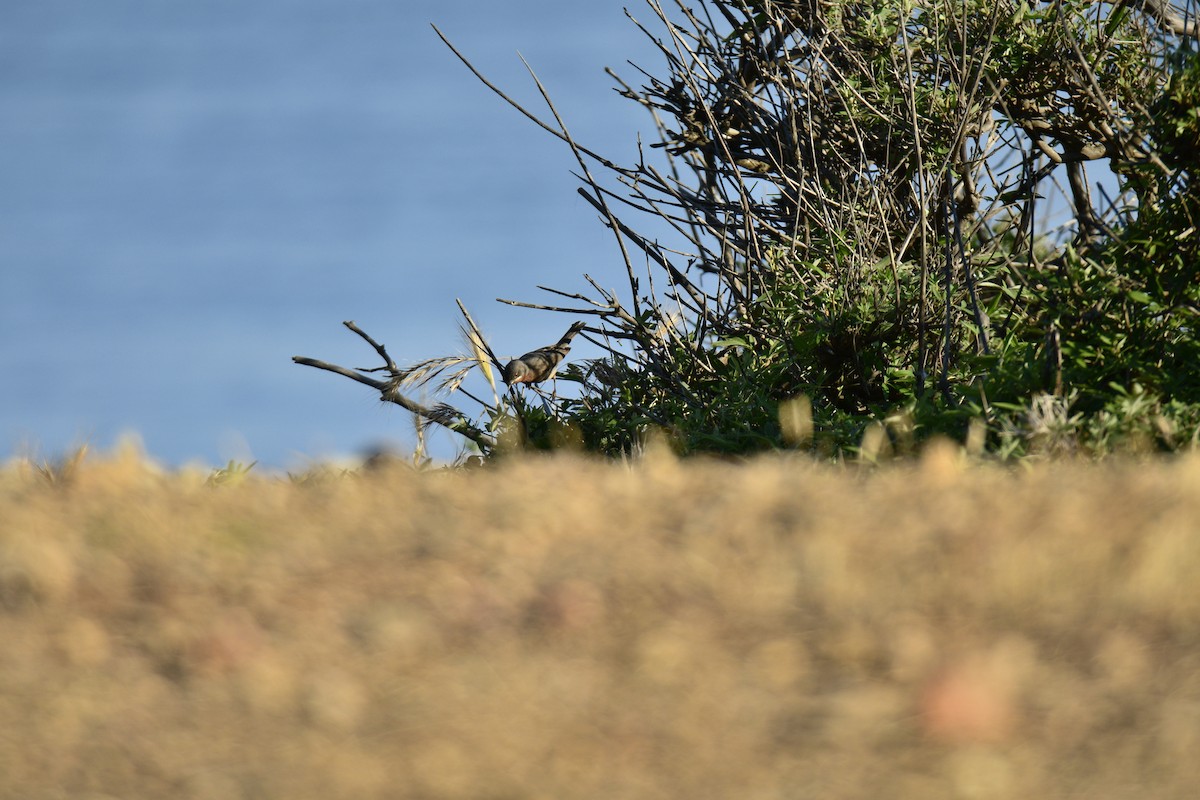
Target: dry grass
564	629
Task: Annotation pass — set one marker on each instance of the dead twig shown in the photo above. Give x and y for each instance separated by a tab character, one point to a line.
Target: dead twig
389	391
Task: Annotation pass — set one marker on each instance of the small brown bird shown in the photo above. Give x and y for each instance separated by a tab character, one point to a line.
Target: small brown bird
539	365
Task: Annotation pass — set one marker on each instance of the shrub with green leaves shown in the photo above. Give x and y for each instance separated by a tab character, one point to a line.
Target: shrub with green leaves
942	217
910	210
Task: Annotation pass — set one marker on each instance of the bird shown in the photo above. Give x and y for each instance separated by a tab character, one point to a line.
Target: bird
540	365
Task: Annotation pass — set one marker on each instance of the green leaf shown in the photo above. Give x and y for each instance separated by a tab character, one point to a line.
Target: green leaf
1115	19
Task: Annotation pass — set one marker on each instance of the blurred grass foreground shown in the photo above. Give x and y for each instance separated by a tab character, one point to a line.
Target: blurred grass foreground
557	628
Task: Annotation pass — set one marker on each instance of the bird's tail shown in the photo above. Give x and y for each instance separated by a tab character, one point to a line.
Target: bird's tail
571	333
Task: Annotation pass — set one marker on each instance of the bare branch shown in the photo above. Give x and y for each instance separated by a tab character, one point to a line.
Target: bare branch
389	391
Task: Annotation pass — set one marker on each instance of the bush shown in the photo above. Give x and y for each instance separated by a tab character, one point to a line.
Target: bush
886	208
864	193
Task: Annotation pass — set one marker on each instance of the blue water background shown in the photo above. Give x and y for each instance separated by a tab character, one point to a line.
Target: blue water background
193	192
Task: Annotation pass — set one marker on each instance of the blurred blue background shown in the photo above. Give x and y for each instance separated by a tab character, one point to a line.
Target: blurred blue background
193	192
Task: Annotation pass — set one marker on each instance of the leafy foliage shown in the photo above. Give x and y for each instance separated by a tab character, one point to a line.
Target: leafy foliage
885	207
